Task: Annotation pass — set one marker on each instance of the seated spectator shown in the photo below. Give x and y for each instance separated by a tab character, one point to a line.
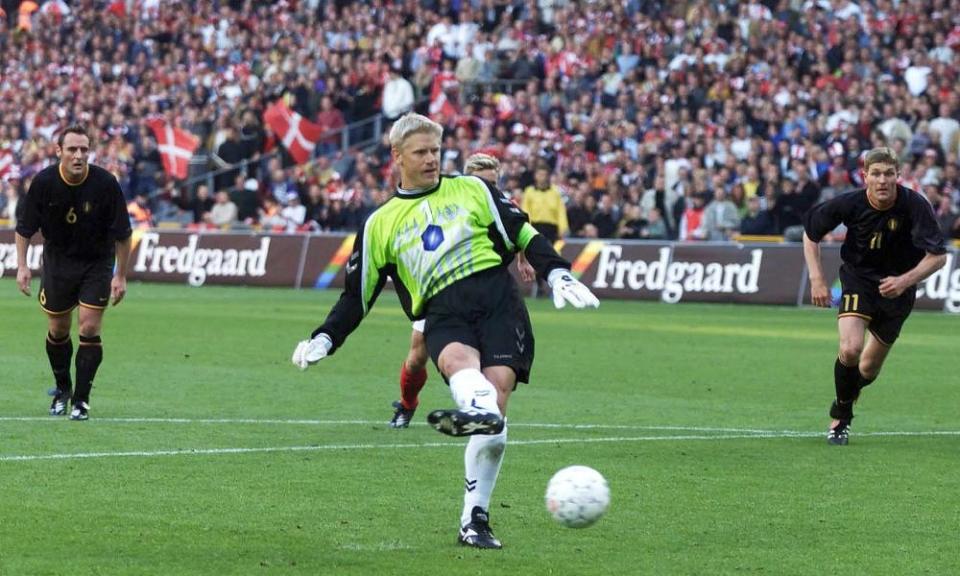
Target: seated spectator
198	204
294	213
757	221
581	211
270	217
140	214
720	217
691	223
632	225
8	203
656	228
224	211
605	217
245	193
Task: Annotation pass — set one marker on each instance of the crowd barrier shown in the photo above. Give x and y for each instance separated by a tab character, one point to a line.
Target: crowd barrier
759	273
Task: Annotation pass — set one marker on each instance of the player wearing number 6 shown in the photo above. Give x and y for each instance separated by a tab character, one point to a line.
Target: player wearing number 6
445	241
893	243
81	212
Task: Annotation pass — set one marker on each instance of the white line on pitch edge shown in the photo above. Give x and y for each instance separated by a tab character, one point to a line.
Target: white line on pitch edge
308	422
318	448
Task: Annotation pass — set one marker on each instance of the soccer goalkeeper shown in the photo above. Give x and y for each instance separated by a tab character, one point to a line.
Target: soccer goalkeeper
445	242
413	371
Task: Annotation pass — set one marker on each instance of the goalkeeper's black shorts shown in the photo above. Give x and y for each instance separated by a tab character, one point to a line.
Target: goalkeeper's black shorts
484	311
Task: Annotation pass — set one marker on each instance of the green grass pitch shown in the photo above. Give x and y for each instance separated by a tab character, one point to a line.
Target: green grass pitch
208	453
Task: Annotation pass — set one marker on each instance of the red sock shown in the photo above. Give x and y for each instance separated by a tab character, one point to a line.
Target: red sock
410	386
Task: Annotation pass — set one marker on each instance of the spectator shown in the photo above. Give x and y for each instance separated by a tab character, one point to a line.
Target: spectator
656	228
270	217
734	87
720	217
757	221
632	225
790	207
397	95
691	223
8	203
230	153
331	121
605	217
294	213
543	202
140	214
199	205
224	211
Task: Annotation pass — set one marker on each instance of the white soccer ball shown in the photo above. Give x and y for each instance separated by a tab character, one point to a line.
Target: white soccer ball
577	496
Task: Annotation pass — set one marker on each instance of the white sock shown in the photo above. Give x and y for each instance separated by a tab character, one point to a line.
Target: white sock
471	390
481	463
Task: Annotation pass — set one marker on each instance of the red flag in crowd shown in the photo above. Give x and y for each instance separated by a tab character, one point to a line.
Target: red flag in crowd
176	147
118	8
298	135
7	168
440	104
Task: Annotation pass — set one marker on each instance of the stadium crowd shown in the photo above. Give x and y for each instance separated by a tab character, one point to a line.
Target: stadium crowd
653	119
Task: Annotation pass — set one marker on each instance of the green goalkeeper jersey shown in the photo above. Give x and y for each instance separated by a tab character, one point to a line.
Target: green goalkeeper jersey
426	241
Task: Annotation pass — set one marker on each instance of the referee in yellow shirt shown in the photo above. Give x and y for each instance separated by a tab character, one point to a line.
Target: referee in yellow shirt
544	204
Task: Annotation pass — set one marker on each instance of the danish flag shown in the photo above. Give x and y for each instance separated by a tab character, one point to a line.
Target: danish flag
176	147
298	135
440	103
7	167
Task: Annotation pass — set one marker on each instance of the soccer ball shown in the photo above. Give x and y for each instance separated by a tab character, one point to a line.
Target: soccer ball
577	496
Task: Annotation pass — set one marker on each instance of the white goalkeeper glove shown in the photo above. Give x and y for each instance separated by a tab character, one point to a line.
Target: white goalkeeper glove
312	351
566	288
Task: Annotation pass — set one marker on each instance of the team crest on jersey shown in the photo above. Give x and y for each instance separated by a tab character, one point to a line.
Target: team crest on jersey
432	237
893	224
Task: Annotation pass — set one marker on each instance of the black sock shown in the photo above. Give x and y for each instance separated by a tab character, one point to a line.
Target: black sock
60	351
864	381
845	380
89	355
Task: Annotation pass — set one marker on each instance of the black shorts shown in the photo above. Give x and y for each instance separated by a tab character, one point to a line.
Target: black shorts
885	316
483	311
66	282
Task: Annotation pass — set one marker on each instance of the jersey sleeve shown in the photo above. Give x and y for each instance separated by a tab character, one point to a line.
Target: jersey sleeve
362	285
120	228
926	233
28	210
823	218
513	223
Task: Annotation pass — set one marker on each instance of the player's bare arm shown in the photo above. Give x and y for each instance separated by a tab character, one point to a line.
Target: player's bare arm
819	294
23	271
893	286
118	286
526	271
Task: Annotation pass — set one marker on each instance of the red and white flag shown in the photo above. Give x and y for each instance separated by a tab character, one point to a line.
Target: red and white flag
298	135
8	169
176	147
440	104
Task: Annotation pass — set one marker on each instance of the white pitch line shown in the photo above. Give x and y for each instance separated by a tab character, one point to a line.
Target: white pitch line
318	448
307	422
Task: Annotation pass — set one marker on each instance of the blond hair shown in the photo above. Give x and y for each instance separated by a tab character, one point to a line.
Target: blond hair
412	123
479	162
881	155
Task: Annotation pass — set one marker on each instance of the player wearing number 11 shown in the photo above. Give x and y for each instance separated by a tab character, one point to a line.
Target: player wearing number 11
893	243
